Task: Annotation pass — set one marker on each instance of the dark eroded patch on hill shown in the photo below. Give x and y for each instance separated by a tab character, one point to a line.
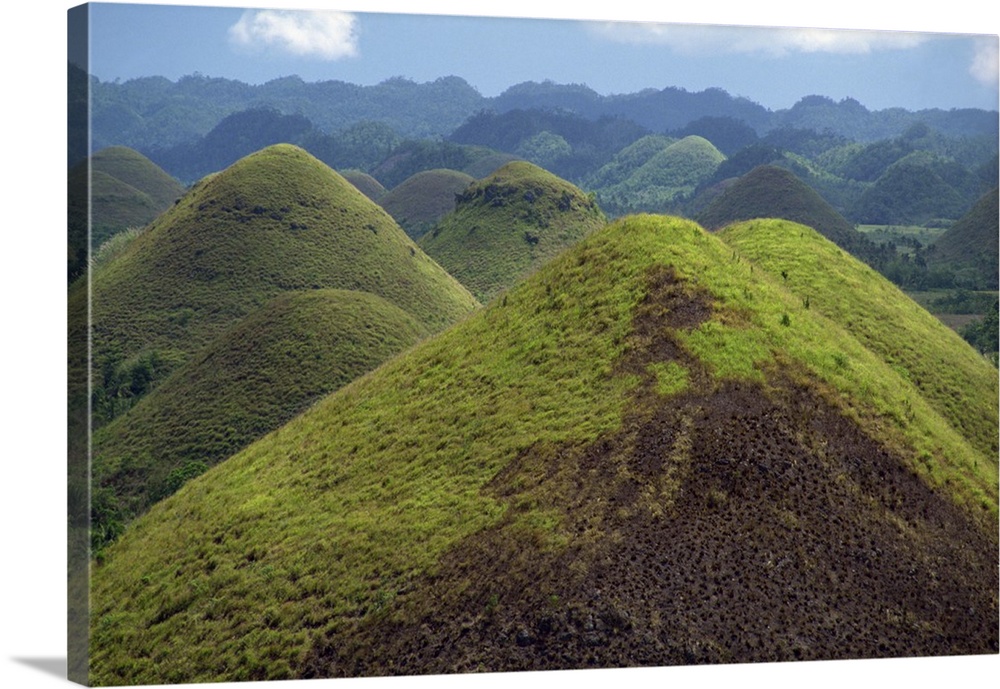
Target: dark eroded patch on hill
727	522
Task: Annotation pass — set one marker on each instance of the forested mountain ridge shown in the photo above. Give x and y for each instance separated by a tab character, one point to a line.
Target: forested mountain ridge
154	112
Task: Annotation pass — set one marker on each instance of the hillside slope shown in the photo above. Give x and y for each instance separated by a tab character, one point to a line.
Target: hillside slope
508	224
963	391
971	244
126	190
276	221
250	380
648	453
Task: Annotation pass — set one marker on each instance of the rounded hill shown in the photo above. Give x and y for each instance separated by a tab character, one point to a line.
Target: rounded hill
916	189
769	191
423	199
508	224
366	184
126	189
971	244
276	221
650	452
668	175
250	380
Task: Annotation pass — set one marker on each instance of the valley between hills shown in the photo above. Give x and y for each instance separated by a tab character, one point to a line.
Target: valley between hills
561	391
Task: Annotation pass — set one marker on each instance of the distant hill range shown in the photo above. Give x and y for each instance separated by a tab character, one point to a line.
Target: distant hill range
154	112
658	449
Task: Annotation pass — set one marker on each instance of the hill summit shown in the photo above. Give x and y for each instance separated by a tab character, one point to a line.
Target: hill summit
651	451
508	224
769	191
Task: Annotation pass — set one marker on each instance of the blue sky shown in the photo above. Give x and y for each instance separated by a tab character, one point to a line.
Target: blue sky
773	66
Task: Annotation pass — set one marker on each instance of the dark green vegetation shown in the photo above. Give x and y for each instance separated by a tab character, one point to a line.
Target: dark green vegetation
420	201
651	429
970	246
250	380
155	112
983	334
127	190
507	225
276	221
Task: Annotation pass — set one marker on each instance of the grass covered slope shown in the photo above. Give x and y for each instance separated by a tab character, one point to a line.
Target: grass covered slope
126	190
971	244
250	380
508	224
279	220
422	200
949	374
576	476
769	191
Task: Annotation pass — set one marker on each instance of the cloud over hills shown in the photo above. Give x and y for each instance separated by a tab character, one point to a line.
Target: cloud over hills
777	42
324	35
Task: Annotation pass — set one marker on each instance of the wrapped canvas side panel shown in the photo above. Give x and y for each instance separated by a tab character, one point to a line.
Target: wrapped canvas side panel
78	397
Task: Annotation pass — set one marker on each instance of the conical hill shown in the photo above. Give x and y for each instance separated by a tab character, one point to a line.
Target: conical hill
649	452
366	184
276	221
126	189
250	380
769	191
971	244
423	199
509	223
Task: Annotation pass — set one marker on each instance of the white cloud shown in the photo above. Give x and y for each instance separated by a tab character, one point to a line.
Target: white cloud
985	66
318	34
698	39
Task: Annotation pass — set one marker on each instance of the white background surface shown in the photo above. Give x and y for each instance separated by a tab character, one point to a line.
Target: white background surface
32	340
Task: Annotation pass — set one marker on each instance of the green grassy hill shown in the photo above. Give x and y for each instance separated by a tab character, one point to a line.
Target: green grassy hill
628	160
279	220
650	452
508	224
667	176
366	184
917	188
126	190
423	199
250	380
971	245
769	191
